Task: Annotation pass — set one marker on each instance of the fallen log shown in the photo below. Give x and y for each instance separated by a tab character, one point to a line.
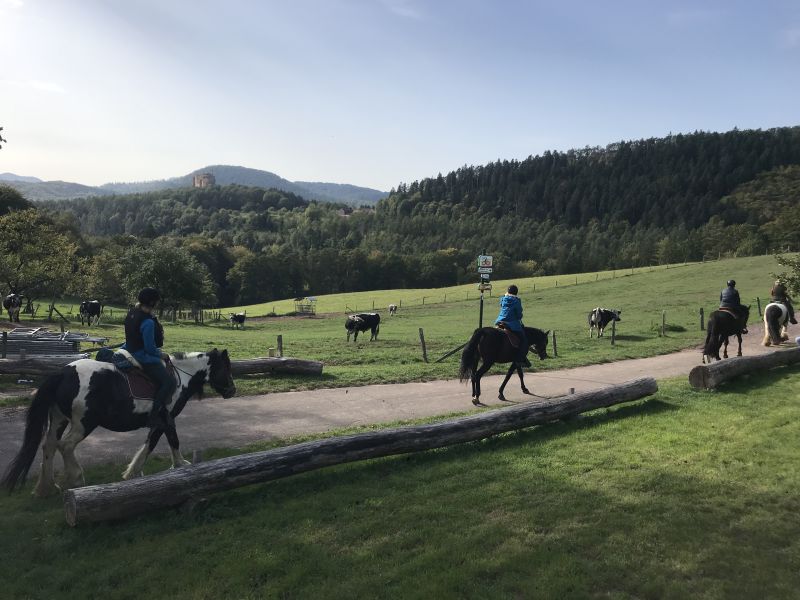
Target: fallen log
174	487
276	365
37	365
706	377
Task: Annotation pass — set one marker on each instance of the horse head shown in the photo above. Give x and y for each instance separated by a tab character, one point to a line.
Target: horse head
537	339
220	376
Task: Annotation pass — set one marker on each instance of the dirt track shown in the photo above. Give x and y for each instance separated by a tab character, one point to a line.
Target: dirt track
239	421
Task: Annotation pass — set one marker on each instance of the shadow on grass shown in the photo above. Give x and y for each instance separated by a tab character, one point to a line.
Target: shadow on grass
632	338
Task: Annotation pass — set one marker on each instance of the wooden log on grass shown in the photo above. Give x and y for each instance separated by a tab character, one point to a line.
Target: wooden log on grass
299	366
37	364
706	377
174	487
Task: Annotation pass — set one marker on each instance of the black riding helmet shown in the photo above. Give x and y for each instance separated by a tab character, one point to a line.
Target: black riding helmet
149	296
513	290
731	283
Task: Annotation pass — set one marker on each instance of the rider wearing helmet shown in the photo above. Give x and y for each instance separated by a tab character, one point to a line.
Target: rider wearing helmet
729	298
511	315
144	336
778	294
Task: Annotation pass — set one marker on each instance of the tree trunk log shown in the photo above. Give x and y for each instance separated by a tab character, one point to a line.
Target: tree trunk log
174	487
277	365
710	376
36	365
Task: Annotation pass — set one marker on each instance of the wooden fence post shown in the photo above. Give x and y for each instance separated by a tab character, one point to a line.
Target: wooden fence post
5	343
759	305
702	320
663	323
422	341
555	345
280	346
613	332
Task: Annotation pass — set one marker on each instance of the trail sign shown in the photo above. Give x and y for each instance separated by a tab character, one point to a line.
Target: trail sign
484	261
484	269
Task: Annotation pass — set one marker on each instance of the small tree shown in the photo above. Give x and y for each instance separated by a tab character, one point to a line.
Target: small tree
2	140
790	277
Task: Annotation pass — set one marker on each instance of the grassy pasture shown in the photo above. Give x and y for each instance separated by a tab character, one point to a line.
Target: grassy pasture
397	357
684	495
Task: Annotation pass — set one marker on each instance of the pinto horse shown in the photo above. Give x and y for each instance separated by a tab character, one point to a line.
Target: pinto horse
776	316
87	394
12	303
721	325
491	345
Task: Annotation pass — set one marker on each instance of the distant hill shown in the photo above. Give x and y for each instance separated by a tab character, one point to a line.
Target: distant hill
36	189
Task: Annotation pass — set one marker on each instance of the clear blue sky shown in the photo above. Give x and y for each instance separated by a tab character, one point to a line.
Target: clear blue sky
375	92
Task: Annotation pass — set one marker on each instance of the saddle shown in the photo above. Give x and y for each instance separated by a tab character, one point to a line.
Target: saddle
513	338
730	311
140	385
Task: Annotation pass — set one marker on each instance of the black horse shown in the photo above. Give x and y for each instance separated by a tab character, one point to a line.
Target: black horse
491	345
721	325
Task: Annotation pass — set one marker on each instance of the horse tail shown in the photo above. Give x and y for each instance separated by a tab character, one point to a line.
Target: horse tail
772	325
707	349
469	356
36	421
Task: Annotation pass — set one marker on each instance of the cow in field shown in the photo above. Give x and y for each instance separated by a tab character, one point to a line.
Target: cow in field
599	318
89	311
12	303
361	322
392	310
237	320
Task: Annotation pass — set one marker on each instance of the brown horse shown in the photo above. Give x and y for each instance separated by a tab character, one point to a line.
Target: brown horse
491	345
721	325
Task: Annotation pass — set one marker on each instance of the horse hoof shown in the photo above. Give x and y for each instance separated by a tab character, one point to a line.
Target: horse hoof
45	491
476	401
502	398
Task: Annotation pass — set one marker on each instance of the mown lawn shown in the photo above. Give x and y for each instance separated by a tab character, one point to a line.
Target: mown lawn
683	495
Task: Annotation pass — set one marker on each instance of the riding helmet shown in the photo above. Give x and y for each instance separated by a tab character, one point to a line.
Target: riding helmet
149	296
731	283
513	290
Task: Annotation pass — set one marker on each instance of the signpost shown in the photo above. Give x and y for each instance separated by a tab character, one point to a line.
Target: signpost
485	271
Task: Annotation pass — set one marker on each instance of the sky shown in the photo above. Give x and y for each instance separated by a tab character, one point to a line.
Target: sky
375	92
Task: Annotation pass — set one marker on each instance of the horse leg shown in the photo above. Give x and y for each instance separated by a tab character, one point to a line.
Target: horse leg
137	462
73	473
476	392
511	369
725	350
739	337
522	382
46	485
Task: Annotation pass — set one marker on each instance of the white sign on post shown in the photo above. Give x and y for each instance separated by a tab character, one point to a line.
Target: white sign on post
484	269
484	261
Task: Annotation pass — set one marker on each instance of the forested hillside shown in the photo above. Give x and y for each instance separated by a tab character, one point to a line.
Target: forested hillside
683	197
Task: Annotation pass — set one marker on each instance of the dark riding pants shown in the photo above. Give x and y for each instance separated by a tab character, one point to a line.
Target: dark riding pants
523	345
166	384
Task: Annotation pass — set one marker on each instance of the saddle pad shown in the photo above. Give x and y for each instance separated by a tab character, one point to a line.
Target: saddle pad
513	339
730	311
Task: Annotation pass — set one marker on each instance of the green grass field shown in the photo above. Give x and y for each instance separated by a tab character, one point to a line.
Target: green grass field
397	357
683	495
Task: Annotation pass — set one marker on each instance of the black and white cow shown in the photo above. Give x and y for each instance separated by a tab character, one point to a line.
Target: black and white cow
361	322
600	317
89	311
237	320
12	303
392	310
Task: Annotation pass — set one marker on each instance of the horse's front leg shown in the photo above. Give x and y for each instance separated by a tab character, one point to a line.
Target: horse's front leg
174	448
137	462
739	337
500	395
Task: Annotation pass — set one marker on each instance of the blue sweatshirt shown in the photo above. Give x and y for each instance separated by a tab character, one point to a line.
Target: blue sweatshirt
511	312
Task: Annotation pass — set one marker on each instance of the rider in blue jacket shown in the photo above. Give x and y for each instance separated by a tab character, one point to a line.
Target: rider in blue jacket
511	315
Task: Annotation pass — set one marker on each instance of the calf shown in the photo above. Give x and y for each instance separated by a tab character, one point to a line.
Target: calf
361	322
392	310
600	317
237	320
89	311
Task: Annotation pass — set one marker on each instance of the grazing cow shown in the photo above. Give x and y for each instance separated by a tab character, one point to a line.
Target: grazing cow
237	320
600	317
89	311
362	322
392	310
12	303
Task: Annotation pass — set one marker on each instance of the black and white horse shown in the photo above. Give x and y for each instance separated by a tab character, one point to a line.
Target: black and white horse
362	322
89	311
492	345
722	324
776	317
599	319
392	310
88	394
237	320
12	303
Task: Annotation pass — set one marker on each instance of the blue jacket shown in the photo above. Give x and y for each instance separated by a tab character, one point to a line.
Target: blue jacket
150	354
511	312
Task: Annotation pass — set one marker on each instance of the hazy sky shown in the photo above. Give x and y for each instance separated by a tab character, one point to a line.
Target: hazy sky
375	92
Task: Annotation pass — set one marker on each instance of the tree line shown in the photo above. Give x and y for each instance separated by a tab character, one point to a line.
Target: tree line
637	203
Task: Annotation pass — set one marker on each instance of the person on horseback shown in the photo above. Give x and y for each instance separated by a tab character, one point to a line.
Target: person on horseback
511	316
144	336
729	299
778	294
